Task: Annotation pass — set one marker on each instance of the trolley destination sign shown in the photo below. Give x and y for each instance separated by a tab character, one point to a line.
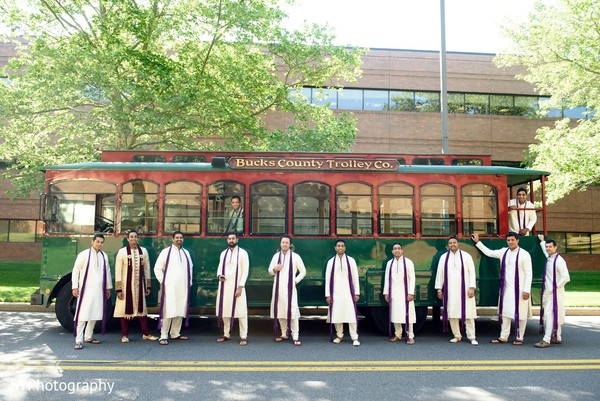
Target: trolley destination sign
312	163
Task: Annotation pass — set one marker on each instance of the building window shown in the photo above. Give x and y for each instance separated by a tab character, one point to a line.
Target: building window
438	209
376	100
501	105
396	209
19	230
402	101
477	103
311	209
427	102
479	209
579	243
456	102
220	210
325	97
183	206
350	99
268	211
139	207
354	209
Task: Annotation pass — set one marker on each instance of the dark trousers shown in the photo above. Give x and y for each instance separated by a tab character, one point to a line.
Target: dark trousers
125	326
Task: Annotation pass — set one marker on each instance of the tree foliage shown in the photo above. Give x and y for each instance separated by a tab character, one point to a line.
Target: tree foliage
560	46
162	74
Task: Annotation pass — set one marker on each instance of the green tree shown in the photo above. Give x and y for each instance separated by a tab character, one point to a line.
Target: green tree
559	45
162	74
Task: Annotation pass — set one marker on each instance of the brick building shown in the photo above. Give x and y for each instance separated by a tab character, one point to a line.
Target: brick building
396	103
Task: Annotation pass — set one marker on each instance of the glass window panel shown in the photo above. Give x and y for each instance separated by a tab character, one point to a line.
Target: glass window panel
479	209
575	112
428	161
189	159
311	209
4	230
139	207
525	105
578	243
501	104
438	210
396	209
476	104
219	207
402	101
467	162
375	100
354	209
427	102
81	207
350	99
325	97
595	239
456	102
182	210
561	240
148	159
269	208
22	231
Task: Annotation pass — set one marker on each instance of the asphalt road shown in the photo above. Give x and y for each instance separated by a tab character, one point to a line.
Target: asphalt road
38	362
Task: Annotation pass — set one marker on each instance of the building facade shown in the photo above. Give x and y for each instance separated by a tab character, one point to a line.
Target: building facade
396	104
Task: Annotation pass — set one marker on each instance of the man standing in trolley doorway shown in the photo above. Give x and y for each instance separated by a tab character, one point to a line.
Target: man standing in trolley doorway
521	214
233	269
288	269
399	292
342	292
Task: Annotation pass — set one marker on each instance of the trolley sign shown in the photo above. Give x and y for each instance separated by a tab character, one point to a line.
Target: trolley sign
313	163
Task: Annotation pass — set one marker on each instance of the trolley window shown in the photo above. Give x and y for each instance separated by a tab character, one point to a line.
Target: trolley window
269	208
396	209
354	209
139	207
438	209
311	209
182	210
479	209
220	214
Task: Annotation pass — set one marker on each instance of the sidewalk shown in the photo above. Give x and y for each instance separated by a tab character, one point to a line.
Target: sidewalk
481	311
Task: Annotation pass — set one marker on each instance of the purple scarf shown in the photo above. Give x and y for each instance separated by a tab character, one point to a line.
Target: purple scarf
290	290
405	296
162	297
222	290
85	275
554	297
517	291
331	286
463	290
524	224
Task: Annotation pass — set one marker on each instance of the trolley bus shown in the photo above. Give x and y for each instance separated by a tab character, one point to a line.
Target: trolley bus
369	200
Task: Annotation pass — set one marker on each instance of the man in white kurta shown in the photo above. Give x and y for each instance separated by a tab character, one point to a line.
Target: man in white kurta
455	283
400	295
235	223
556	276
233	269
173	270
288	269
91	284
342	292
132	285
521	216
516	263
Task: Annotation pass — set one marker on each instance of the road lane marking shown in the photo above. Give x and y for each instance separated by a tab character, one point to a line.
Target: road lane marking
303	366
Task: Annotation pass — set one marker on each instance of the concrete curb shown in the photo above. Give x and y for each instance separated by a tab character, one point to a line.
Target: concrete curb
481	311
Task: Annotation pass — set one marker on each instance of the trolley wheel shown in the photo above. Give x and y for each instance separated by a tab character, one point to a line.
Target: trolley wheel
65	307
